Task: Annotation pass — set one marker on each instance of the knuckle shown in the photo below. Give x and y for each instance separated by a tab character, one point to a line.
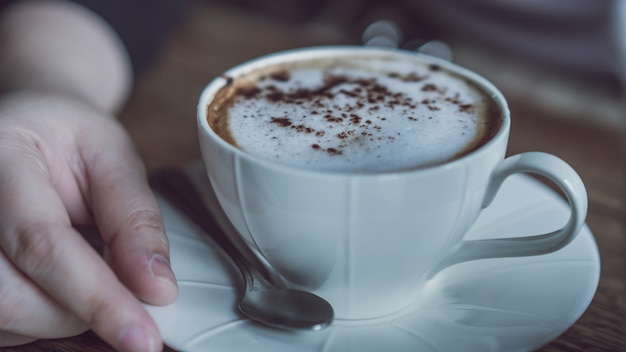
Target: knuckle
143	227
145	220
21	146
33	248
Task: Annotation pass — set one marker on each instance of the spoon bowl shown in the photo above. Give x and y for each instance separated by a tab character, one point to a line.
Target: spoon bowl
285	308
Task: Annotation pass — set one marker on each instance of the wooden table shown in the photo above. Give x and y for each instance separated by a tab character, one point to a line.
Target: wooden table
161	118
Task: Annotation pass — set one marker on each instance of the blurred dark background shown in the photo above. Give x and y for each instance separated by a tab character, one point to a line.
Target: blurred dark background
558	53
552	59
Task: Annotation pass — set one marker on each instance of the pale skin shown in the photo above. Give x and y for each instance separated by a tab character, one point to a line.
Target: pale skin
65	162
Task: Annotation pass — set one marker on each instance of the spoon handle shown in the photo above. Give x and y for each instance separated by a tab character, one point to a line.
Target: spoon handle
178	189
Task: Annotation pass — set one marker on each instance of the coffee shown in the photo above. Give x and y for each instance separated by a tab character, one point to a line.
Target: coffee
358	114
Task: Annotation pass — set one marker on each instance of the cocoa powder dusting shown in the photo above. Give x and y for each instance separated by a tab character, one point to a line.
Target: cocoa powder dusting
249	92
434	67
359	92
282	121
429	88
336	111
281	76
333	151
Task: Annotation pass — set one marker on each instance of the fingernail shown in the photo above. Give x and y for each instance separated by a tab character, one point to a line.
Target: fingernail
136	339
161	269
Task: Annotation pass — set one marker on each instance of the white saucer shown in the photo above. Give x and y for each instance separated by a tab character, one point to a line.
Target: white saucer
509	305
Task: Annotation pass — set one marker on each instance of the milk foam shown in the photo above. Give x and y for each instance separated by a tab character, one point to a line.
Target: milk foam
359	117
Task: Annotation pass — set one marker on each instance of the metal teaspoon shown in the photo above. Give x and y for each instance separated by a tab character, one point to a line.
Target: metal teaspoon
263	301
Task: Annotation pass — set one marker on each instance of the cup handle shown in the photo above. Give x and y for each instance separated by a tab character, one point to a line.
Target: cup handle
557	171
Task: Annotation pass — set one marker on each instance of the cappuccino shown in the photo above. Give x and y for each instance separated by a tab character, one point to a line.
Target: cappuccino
355	114
314	153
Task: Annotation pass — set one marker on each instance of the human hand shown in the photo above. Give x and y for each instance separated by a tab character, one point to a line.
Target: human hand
65	164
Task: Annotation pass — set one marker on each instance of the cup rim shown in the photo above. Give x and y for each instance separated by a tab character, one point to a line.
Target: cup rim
211	89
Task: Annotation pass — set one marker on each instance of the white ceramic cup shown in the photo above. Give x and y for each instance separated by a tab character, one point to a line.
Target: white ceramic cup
368	242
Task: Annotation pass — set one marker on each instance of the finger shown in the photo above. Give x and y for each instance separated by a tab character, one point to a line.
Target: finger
9	339
130	222
26	312
39	239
